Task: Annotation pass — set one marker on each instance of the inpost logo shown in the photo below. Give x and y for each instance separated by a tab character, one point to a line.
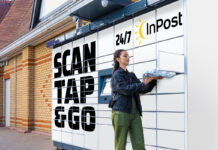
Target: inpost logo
142	31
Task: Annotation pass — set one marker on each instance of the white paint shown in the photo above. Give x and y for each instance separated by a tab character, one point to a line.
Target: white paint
148	102
138	39
149	137
145	53
149	119
167	12
172	85
106	132
171	121
171	139
172	102
105	47
174	46
171	62
202	75
120	30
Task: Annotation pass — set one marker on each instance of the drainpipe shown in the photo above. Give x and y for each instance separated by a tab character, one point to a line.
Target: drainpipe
2	96
78	22
15	90
34	94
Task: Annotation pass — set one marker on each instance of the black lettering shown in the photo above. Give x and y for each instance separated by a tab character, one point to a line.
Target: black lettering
180	18
59	119
76	61
167	24
59	85
147	25
89	57
57	65
117	41
159	24
91	111
150	29
71	86
86	91
174	21
64	59
74	125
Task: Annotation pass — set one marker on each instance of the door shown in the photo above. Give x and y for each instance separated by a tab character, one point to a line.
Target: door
7	103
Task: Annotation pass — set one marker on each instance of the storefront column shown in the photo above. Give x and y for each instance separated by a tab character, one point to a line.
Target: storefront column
28	88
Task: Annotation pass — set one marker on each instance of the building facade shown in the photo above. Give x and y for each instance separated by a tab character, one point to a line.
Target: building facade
56	62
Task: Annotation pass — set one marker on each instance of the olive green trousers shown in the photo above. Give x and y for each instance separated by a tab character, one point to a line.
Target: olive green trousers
128	123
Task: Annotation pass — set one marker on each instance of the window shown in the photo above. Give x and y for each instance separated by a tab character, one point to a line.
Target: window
47	6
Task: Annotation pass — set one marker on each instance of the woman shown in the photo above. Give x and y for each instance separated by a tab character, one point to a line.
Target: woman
126	109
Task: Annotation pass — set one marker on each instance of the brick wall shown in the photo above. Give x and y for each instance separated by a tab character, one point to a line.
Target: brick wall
6	74
33	89
16	22
43	69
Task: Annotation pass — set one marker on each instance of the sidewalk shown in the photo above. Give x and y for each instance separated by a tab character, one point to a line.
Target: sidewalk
14	140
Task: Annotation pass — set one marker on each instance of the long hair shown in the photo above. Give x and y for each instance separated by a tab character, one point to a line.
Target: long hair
117	55
116	63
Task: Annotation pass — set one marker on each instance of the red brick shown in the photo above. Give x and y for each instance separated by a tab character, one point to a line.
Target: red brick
16	22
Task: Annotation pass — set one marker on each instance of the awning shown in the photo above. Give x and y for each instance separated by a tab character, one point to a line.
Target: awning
95	9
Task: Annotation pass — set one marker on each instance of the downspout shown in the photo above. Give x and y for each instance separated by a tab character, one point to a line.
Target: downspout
2	97
15	90
78	22
34	92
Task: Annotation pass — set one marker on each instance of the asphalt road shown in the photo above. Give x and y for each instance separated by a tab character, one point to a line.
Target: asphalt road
14	140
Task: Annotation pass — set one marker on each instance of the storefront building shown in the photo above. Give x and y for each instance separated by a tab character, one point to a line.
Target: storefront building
54	77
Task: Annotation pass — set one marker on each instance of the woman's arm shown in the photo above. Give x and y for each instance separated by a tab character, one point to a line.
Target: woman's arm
122	87
147	87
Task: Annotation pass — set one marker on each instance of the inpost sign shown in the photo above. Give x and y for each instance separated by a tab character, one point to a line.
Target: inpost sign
153	40
162	23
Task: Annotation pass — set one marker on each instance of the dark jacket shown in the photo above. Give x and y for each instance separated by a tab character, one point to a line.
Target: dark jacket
125	84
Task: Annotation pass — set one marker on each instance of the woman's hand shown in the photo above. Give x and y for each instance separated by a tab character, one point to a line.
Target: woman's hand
149	79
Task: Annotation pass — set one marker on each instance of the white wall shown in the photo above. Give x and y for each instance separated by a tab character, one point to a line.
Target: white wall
202	53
